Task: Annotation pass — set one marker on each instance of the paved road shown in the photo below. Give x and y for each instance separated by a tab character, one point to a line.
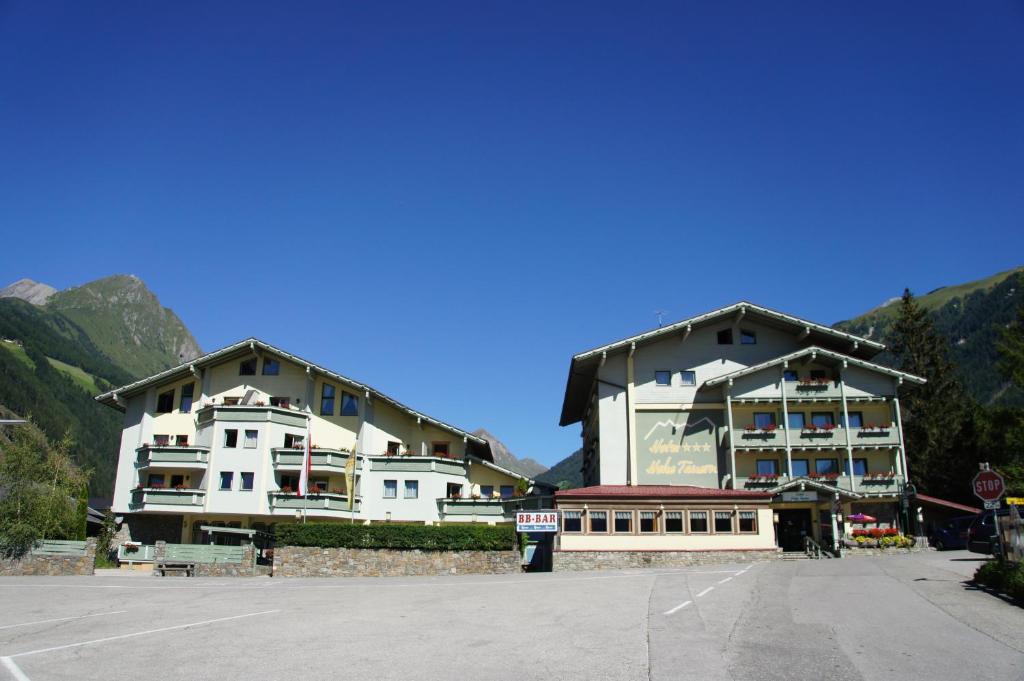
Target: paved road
905	617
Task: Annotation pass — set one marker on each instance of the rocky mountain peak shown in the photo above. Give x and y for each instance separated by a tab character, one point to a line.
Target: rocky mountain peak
29	291
506	459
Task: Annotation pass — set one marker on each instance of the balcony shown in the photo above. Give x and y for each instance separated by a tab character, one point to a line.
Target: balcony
453	509
325	460
870	484
164	499
818	438
417	464
324	504
172	456
251	413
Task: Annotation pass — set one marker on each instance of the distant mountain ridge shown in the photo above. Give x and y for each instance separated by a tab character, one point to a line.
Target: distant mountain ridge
506	459
29	291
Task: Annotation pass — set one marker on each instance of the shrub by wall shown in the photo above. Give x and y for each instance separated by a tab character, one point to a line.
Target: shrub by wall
402	537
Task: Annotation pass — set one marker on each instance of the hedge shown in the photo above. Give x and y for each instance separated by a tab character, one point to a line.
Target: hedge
1004	576
388	536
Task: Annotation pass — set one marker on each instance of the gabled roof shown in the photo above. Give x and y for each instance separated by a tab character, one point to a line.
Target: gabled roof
818	486
645	491
247	347
815	351
583	367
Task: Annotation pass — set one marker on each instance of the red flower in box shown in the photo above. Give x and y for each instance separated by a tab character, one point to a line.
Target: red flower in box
750	428
860	533
876	532
890	532
828	427
770	428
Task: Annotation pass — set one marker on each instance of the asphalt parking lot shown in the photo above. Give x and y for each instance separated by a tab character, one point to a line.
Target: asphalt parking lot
908	616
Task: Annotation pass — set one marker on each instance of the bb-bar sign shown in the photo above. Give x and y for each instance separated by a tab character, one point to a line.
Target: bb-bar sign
537	521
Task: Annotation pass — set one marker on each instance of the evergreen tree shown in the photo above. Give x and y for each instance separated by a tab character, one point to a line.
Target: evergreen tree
1011	350
939	419
42	491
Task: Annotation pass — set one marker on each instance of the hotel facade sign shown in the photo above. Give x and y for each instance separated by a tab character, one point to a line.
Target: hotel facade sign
799	496
678	447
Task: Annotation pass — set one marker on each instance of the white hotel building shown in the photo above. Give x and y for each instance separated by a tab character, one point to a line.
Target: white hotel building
220	441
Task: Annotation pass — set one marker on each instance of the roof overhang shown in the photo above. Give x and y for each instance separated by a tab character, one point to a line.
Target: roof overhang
804	483
493	466
254	346
583	367
821	354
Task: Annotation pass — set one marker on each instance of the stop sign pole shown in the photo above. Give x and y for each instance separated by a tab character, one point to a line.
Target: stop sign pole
989	487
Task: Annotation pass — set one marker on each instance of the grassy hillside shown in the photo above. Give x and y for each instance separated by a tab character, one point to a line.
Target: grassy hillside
971	316
567	473
126	322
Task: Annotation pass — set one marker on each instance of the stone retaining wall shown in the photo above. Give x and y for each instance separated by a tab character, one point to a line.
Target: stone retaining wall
874	551
39	564
302	561
619	560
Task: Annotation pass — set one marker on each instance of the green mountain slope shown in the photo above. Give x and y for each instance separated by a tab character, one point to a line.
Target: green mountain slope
126	322
567	473
971	316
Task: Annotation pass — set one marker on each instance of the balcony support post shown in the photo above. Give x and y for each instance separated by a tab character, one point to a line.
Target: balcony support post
846	426
732	435
785	420
901	453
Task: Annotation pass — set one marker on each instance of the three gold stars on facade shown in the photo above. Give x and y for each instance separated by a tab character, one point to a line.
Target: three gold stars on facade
687	447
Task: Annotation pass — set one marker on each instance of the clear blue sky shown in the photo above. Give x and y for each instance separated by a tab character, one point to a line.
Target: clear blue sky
449	200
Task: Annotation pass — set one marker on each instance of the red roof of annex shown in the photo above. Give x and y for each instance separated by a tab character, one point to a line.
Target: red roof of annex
677	491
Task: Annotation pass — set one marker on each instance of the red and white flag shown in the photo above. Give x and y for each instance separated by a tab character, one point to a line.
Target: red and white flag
307	464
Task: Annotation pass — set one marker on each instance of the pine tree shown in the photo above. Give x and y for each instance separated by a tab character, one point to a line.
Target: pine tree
939	419
1011	350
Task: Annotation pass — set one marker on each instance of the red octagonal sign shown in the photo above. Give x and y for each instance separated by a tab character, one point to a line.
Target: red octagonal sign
988	486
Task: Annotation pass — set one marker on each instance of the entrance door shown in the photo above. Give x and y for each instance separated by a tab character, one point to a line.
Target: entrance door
794	525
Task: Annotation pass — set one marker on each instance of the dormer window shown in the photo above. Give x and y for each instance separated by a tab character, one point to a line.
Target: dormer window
247	367
748	337
688	377
725	337
165	402
663	378
271	367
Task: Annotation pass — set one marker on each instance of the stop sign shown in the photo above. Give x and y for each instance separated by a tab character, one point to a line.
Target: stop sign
988	486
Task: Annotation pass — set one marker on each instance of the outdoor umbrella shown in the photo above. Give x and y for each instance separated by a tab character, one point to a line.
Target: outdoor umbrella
861	518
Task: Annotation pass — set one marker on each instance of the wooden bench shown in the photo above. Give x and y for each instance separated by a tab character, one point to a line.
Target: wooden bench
165	566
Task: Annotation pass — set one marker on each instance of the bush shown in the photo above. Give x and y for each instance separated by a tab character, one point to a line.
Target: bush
391	536
1005	576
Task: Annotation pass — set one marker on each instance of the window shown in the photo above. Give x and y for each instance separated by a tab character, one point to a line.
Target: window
231	438
688	377
439	449
412	489
817	374
856	419
327	400
598	521
390	489
723	522
225	479
247	368
767	467
725	337
187	391
271	367
165	402
673	521
283	402
748	521
289	483
177	481
246	482
860	467
506	491
623	521
454	490
790	375
251	436
800	467
349	404
572	521
161	440
181	440
319	484
763	419
796	420
648	521
486	491
698	521
293	441
393	447
663	377
821	418
826	466
155	480
748	337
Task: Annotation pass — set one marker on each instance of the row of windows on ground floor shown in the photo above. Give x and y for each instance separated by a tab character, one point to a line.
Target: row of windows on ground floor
704	521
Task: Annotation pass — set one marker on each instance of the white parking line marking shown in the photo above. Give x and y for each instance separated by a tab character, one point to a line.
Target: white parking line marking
140	633
723	581
62	619
705	591
678	608
14	669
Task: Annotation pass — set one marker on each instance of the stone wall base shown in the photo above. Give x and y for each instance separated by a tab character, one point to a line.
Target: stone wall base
619	560
54	566
889	551
302	561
